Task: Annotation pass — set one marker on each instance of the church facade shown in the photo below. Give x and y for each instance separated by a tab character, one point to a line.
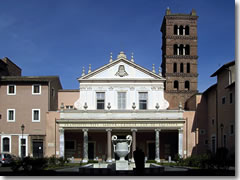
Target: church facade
163	111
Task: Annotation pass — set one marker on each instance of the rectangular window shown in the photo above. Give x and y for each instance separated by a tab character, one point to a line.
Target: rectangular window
36	89
36	115
143	96
6	144
23	147
230	98
213	122
202	131
223	100
121	100
213	144
11	115
11	90
100	100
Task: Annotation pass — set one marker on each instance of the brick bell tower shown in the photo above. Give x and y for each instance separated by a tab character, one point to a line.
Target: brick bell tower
179	57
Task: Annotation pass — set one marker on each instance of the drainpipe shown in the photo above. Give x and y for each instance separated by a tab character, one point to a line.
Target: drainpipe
216	118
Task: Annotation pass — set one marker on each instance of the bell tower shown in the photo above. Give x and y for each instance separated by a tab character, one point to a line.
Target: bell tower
179	57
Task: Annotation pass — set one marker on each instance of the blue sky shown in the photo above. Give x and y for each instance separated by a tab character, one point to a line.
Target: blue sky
59	37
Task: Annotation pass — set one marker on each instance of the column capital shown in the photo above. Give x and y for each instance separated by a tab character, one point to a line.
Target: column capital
85	130
134	130
61	130
180	129
108	129
157	129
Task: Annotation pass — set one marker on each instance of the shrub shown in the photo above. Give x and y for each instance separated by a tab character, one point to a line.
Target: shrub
52	160
62	161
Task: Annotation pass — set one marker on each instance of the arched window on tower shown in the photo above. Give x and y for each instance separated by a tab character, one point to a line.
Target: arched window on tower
188	67
187	85
175	67
187	49
181	49
175	85
175	30
186	30
181	67
181	30
175	49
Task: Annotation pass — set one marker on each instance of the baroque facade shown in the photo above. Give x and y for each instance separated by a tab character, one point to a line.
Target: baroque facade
163	111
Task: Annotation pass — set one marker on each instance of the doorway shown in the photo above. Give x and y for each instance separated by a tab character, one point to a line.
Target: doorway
151	151
91	150
38	149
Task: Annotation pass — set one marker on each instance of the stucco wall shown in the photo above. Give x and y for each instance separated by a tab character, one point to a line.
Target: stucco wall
67	97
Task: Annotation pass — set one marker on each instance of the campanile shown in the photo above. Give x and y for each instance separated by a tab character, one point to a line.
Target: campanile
179	57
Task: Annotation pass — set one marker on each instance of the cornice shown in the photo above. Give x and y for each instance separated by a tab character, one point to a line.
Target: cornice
189	17
182	91
182	74
186	37
181	57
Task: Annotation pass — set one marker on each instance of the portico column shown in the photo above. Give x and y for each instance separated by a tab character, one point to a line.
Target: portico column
109	145
184	49
178	30
180	142
61	143
184	30
133	142
85	145
157	145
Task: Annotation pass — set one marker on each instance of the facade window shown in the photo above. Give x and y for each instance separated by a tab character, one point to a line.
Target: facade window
181	67
181	30
23	147
36	115
206	142
52	92
232	129
69	145
186	30
143	97
181	49
11	90
175	85
187	85
230	98
11	115
36	89
175	67
121	100
100	100
175	30
223	100
6	144
213	144
188	67
69	107
213	122
202	131
175	49
187	50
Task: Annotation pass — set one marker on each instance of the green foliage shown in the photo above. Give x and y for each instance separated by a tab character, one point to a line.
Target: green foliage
52	160
150	161
16	164
92	161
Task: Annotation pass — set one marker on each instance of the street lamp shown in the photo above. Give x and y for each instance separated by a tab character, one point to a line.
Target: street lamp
22	128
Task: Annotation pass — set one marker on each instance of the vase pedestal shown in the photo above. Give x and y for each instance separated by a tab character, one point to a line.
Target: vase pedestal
121	165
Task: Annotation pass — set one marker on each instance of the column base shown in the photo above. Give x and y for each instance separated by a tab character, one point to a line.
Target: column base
85	160
157	160
132	160
109	160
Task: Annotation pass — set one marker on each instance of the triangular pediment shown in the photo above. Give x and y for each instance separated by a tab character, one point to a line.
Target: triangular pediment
121	69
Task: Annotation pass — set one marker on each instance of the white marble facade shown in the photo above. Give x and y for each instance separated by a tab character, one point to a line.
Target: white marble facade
131	78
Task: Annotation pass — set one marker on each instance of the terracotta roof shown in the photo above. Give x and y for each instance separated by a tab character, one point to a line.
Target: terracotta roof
29	78
223	67
68	90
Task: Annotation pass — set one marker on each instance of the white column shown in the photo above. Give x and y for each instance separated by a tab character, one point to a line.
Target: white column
157	145
184	50
133	142
61	143
178	30
109	145
184	30
85	145
178	49
180	142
